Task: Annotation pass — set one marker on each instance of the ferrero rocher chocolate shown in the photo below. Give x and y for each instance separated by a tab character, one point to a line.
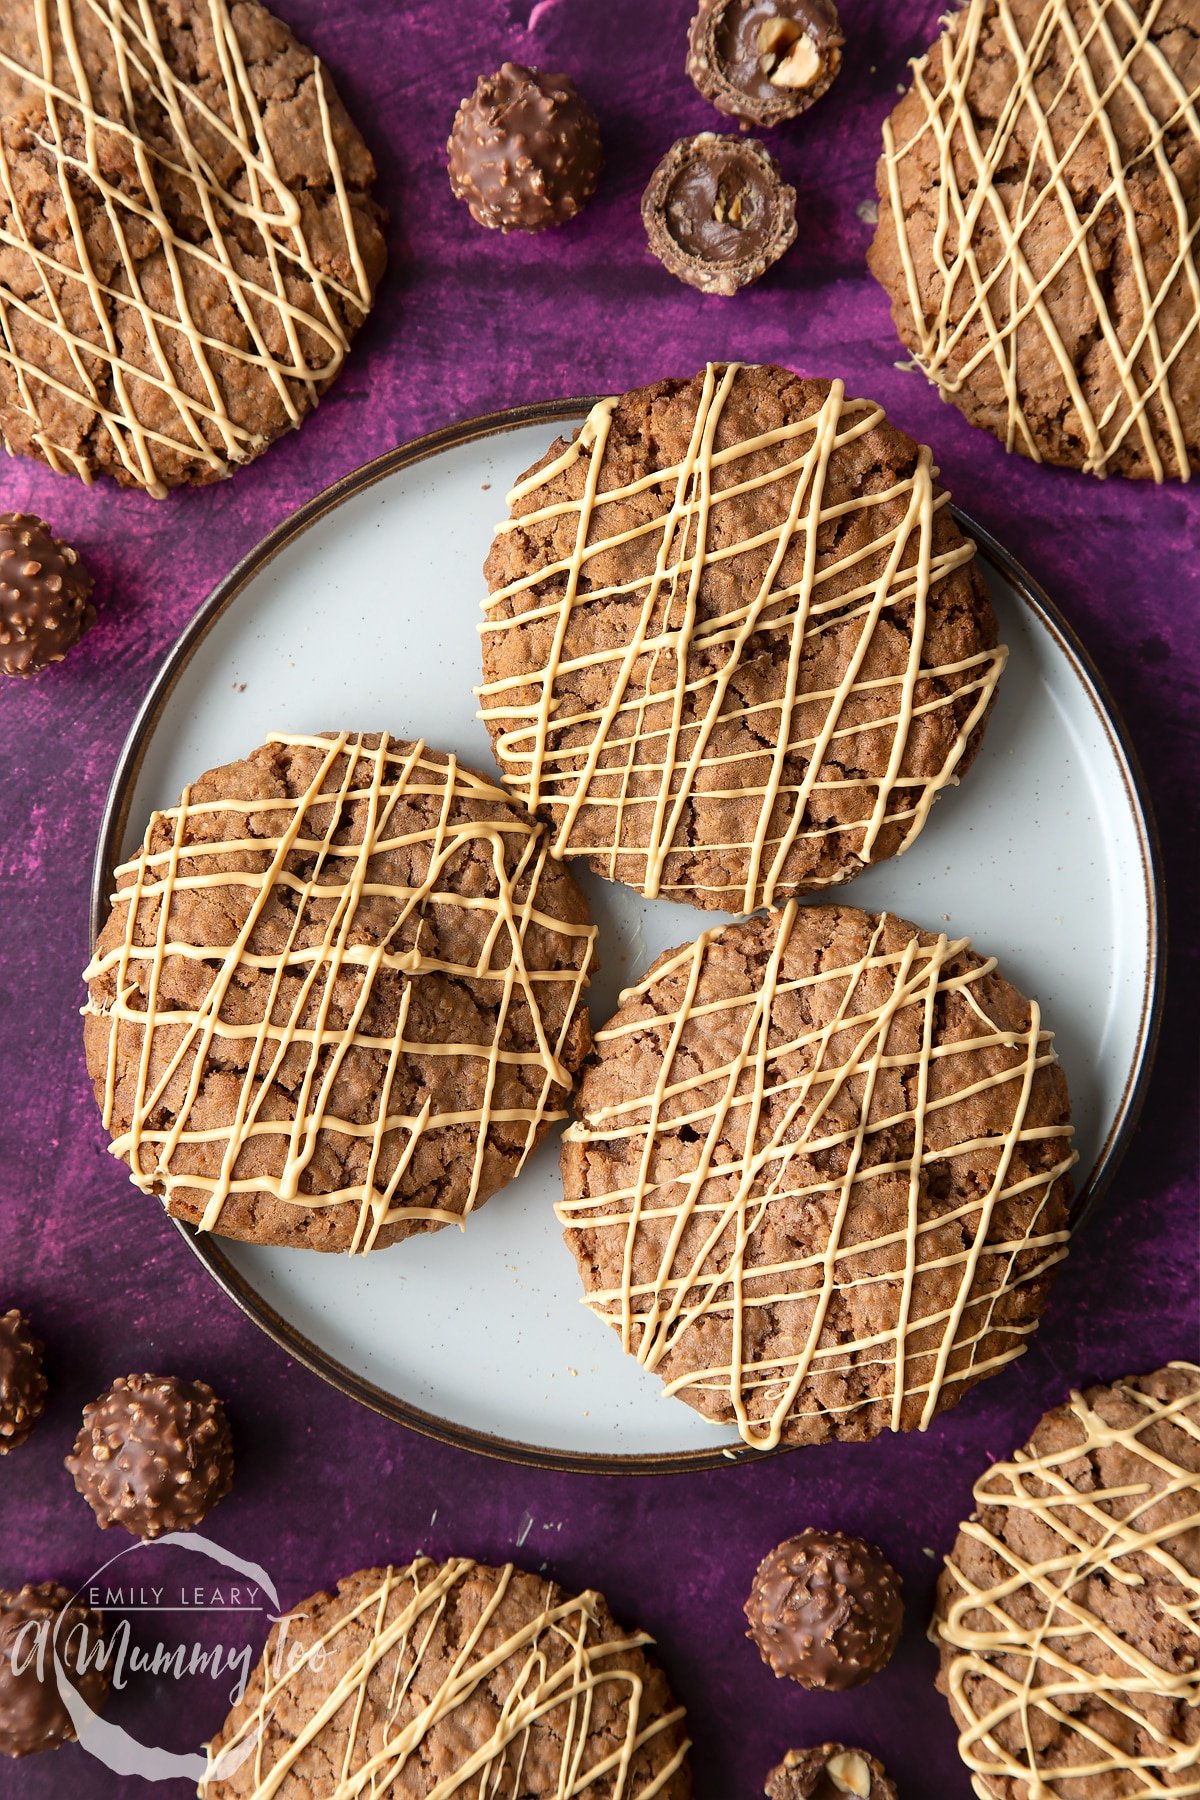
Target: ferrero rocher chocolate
45	595
764	61
154	1454
825	1610
524	150
22	1384
718	212
829	1772
39	1623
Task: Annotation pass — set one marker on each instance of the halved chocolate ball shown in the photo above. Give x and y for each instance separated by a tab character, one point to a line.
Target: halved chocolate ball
718	212
764	60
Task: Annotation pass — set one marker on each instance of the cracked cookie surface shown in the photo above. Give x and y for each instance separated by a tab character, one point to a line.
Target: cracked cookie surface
339	997
736	644
1068	1612
188	241
453	1679
817	1177
1039	204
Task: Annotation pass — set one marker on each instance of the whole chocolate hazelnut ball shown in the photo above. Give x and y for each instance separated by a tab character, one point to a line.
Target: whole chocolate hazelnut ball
825	1610
154	1454
45	595
524	150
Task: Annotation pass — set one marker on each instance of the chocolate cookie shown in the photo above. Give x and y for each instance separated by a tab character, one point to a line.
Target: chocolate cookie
736	644
188	242
1039	197
1068	1613
817	1178
453	1678
339	996
829	1772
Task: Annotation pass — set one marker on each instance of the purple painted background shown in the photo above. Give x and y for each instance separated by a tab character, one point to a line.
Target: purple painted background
468	321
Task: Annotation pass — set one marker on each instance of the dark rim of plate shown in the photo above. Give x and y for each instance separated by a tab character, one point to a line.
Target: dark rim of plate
115	817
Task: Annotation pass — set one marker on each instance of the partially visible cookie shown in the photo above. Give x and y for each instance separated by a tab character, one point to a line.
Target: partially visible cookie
339	997
1039	207
818	1175
1068	1613
829	1772
452	1679
736	645
188	241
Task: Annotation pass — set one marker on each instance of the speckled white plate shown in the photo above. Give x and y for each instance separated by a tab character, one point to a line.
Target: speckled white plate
361	612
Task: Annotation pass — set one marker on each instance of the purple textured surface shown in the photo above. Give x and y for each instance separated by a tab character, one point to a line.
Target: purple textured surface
468	321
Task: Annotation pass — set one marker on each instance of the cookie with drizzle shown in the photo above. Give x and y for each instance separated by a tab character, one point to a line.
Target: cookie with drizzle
452	1679
735	646
1039	208
818	1175
1068	1612
188	242
339	995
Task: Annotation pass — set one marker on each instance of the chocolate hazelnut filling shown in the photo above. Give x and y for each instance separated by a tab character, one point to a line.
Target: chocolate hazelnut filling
720	207
767	45
764	60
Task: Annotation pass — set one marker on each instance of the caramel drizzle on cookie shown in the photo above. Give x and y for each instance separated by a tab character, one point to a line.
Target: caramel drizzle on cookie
178	1045
1011	306
551	1671
654	674
708	1271
1029	1646
105	377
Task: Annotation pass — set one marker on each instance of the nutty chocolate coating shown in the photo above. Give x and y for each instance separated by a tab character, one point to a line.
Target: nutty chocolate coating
45	595
829	1772
35	1622
764	61
154	1454
22	1384
718	212
825	1610
524	150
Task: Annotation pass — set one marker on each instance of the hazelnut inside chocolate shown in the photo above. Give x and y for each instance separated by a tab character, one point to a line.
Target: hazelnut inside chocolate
720	206
845	1773
769	46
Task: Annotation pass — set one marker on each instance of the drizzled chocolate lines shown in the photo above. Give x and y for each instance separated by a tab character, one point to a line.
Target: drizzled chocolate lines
553	754
1038	1643
182	360
551	1671
1007	296
707	1270
182	1044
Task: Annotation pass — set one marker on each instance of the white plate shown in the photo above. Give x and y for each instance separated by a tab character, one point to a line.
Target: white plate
361	612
